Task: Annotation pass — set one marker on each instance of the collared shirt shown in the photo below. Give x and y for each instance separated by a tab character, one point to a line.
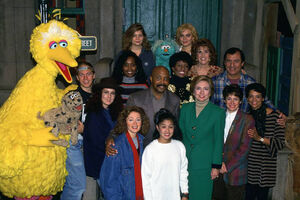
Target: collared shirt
228	122
222	80
158	103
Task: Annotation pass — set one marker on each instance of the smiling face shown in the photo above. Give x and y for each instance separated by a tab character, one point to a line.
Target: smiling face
134	123
255	99
159	79
129	67
85	78
108	97
203	55
234	64
137	38
232	102
202	91
166	131
181	69
186	38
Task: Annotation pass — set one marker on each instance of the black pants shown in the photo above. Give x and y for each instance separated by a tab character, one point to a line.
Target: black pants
255	191
223	191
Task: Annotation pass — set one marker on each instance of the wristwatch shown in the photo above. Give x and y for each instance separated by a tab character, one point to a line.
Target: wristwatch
262	139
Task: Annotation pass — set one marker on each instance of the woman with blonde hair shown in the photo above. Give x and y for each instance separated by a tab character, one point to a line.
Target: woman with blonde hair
186	35
202	125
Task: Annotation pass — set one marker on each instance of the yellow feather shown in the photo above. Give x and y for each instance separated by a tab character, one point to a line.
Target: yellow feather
32	170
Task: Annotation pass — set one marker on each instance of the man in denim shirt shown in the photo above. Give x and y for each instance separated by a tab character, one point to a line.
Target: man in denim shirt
76	180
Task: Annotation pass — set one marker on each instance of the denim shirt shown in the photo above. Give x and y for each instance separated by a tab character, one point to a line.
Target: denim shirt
117	179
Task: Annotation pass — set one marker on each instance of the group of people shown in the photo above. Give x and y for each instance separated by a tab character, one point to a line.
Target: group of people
203	133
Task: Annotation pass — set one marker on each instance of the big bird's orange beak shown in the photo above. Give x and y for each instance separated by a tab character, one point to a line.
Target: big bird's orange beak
63	59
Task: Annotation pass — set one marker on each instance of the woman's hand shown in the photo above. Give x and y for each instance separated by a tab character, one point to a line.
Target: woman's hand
109	150
223	168
252	133
282	119
214	173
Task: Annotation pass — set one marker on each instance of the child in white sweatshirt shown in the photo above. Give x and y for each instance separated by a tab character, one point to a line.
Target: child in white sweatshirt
164	162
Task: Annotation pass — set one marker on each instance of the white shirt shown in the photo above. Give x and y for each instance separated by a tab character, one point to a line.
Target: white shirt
229	119
164	171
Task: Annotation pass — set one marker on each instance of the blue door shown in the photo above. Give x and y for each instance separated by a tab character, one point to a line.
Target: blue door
273	65
279	67
286	45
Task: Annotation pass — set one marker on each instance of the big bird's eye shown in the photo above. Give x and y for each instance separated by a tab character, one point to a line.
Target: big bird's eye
52	45
63	43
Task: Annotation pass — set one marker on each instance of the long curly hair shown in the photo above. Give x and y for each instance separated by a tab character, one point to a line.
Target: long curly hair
117	74
203	42
95	103
128	35
121	126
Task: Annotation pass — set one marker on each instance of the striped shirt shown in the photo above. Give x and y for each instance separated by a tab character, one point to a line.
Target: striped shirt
129	88
262	158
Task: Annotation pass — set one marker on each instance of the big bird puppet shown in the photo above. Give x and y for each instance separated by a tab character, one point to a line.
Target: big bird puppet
30	164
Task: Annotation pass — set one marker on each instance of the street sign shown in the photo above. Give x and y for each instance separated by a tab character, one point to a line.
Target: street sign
88	43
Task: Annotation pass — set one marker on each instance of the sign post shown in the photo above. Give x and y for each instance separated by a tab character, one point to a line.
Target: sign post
88	43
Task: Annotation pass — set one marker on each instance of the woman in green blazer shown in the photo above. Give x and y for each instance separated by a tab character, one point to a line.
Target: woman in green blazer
202	125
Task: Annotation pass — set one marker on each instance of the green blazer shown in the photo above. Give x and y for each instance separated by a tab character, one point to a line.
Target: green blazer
203	136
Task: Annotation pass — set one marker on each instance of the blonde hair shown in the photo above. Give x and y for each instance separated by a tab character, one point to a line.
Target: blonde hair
183	27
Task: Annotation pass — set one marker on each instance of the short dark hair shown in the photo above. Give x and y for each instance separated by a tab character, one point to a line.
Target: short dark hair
233	89
180	56
164	114
232	51
117	74
257	87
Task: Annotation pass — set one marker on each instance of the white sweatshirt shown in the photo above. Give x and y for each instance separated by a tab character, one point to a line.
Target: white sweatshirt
164	170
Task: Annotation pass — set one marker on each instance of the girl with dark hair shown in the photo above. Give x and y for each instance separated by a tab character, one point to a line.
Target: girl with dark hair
268	139
129	74
135	40
120	176
164	167
102	111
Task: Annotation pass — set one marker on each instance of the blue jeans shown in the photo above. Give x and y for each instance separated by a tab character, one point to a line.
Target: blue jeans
76	179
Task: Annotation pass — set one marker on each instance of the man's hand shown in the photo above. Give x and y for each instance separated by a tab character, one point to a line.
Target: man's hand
80	127
109	150
282	119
